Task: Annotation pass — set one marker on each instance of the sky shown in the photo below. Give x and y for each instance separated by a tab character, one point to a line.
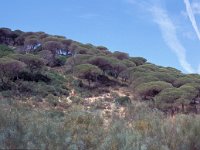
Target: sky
165	32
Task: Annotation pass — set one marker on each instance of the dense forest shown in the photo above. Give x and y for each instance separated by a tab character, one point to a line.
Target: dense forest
57	93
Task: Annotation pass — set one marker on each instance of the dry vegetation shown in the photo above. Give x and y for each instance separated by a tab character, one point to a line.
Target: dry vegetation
56	93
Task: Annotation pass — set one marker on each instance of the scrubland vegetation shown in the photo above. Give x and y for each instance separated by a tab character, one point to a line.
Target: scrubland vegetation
56	93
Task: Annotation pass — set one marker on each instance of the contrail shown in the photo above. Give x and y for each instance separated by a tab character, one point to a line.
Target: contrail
169	34
168	30
192	17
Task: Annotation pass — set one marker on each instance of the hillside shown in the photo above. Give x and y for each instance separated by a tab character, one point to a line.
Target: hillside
57	93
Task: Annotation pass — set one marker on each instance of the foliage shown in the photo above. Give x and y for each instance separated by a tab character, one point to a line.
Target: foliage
144	79
138	60
33	62
53	46
60	60
128	63
173	96
165	76
123	100
102	62
151	88
5	50
168	97
120	55
185	79
88	72
47	56
148	67
77	59
9	70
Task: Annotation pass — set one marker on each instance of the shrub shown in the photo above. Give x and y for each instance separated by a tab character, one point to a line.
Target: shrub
53	46
123	100
167	98
60	60
77	59
120	55
136	72
27	76
76	99
10	70
88	72
128	63
176	96
102	62
33	62
7	93
84	130
31	43
164	76
148	67
5	50
25	86
117	69
185	79
47	56
151	89
138	60
144	79
53	100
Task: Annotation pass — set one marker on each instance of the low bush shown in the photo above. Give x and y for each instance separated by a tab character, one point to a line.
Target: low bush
53	100
143	79
174	97
184	80
60	60
123	100
5	51
151	89
88	72
138	60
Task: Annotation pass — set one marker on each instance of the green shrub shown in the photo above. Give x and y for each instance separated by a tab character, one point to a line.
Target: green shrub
53	100
103	62
5	51
168	97
143	79
164	76
176	96
148	67
33	62
7	93
184	80
76	99
128	63
88	72
60	60
9	70
120	55
78	59
123	100
138	60
151	88
84	130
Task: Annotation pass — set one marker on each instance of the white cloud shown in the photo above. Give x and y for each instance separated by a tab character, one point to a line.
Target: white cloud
192	17
169	34
189	35
196	7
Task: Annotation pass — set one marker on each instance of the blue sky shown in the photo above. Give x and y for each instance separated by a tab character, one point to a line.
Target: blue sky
166	32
